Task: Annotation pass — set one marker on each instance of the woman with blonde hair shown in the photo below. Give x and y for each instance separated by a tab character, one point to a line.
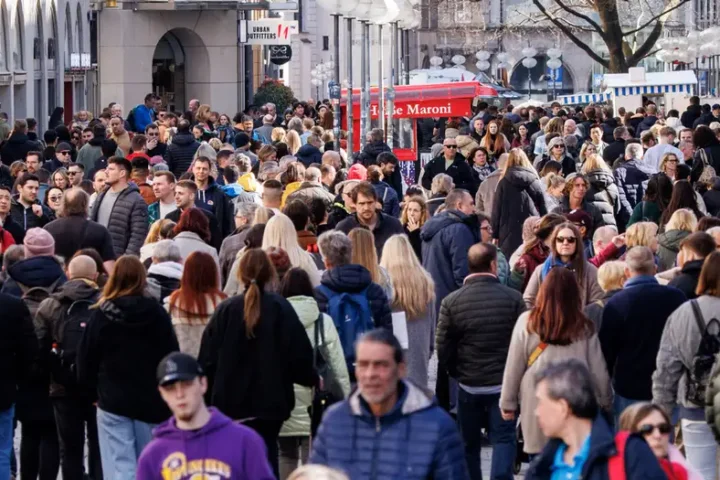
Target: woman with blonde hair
365	254
293	142
519	195
554	190
611	278
159	230
60	179
317	472
127	336
279	233
413	293
414	215
681	224
277	135
588	148
203	114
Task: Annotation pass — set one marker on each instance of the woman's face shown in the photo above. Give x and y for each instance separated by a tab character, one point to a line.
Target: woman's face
522	130
566	242
414	211
54	196
82	115
213	119
493	128
656	432
59	181
197	133
596	135
590	149
480	158
224	120
557	191
671	164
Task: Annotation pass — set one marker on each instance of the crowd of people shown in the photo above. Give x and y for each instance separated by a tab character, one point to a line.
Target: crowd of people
197	296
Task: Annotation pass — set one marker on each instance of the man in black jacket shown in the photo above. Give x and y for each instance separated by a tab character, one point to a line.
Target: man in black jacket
18	350
185	192
374	147
18	145
693	250
383	226
451	163
692	113
473	338
26	210
179	154
616	149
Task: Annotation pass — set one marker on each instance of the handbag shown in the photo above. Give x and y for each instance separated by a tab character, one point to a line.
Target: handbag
331	392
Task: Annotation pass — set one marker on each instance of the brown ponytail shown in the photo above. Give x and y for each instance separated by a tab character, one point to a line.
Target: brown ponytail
255	271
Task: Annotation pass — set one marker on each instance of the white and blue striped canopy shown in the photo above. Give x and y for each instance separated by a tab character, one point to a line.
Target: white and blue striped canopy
652	89
580	98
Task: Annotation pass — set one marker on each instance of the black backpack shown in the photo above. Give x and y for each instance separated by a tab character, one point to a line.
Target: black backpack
131	120
702	362
65	349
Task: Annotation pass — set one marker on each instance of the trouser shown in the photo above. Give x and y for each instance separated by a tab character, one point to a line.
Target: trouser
71	415
294	452
483	411
39	451
121	440
6	441
269	431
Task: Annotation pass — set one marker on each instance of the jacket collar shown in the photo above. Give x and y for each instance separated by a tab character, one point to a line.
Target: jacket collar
480	278
411	399
641	280
693	266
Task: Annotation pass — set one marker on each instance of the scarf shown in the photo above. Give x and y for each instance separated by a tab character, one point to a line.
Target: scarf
550	263
483	172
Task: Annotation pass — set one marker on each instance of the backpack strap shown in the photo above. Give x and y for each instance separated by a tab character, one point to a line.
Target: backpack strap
616	463
318	333
697	314
536	354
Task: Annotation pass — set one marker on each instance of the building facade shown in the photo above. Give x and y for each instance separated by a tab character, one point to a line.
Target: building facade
45	58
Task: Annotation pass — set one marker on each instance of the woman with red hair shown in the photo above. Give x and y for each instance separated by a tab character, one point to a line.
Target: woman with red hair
192	234
495	141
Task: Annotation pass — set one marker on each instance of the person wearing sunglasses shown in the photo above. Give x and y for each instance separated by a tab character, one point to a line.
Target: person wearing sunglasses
557	150
62	158
566	252
653	424
452	163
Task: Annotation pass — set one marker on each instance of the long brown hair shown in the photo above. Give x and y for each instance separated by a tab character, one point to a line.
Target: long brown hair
364	252
198	284
578	259
632	416
255	272
498	146
557	317
127	279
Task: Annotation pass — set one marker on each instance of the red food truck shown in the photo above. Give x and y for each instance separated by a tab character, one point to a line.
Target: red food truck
411	103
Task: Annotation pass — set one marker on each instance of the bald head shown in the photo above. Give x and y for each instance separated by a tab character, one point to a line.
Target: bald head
639	261
332	157
82	266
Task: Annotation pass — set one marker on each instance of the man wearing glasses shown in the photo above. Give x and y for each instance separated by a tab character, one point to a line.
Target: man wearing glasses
62	158
76	172
452	163
154	146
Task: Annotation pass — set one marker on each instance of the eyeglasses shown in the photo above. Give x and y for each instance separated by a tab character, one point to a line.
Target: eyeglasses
73	173
152	134
671	160
450	146
647	429
559	146
55	199
570	240
64	153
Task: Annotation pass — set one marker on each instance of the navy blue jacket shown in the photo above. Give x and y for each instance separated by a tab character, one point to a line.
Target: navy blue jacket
640	462
446	238
180	152
388	197
385	228
309	154
631	182
214	200
646	124
632	325
416	440
41	271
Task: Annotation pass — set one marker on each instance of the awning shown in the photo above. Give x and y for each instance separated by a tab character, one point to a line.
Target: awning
650	83
580	98
652	89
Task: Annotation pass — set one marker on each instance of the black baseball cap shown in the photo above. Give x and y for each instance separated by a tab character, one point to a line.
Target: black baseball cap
178	366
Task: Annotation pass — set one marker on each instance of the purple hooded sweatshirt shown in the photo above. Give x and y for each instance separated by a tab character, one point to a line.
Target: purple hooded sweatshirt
221	449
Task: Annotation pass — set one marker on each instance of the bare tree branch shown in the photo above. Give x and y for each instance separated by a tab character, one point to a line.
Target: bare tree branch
657	17
647	46
581	16
577	27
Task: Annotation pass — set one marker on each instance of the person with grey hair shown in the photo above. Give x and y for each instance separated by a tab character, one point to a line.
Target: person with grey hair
244	214
73	231
312	189
166	271
632	325
631	180
441	185
342	277
264	132
582	442
715	233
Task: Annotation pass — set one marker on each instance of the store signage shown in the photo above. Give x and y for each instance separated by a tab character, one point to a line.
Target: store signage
270	31
79	61
427	109
280	54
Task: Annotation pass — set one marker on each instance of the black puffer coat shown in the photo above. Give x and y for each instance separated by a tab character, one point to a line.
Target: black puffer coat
631	183
519	195
603	194
475	328
179	154
128	224
371	151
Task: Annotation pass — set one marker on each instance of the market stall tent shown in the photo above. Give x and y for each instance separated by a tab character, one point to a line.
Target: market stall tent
627	89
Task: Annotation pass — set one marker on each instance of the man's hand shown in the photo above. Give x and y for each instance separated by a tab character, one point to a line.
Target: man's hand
37	210
507	415
619	240
151	144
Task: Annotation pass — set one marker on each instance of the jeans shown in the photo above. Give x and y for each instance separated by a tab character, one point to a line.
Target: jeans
269	431
39	450
6	440
619	405
71	415
700	447
476	412
121	440
294	452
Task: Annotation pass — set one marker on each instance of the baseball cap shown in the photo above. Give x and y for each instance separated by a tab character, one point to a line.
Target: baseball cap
178	366
63	147
580	218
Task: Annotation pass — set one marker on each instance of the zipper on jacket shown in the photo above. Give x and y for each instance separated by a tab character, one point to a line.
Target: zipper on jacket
373	474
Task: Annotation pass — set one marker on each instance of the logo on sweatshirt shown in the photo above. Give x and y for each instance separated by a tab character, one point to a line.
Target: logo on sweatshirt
176	467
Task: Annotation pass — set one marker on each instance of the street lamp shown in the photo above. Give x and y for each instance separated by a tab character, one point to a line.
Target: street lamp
382	11
361	12
553	64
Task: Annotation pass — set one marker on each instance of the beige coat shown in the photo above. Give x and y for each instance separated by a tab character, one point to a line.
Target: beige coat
518	386
189	329
591	293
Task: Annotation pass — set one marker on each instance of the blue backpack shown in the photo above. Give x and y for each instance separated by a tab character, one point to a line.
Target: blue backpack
352	317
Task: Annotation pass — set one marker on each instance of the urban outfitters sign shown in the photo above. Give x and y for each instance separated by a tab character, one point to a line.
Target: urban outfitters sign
270	31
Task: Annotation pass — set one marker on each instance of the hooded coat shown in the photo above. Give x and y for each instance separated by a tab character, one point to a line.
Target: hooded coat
220	447
179	154
42	271
446	238
309	154
631	182
122	346
128	225
603	194
519	195
415	440
669	247
459	171
214	199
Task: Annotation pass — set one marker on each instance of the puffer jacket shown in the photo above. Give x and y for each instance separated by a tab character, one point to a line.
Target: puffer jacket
128	224
519	195
26	218
371	151
386	194
587	206
351	279
668	248
474	331
466	144
163	279
42	271
391	447
603	194
16	148
179	154
298	425
446	238
309	191
631	182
